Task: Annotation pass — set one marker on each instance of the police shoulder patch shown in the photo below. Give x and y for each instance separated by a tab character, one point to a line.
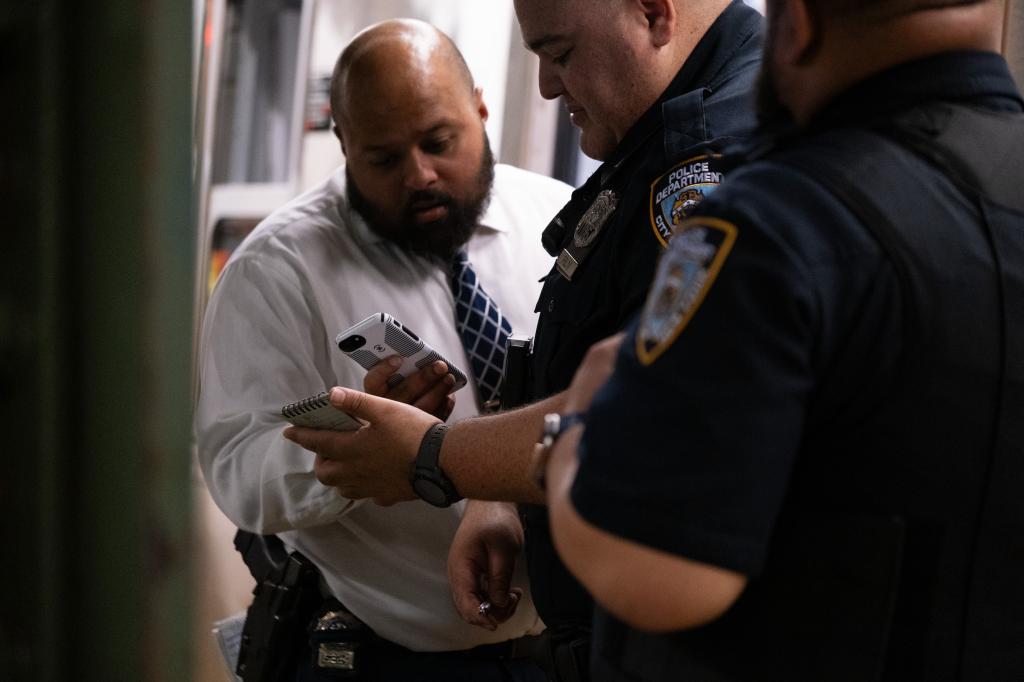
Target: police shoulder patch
677	192
686	271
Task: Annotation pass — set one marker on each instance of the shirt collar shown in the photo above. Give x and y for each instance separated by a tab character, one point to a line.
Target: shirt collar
494	219
969	76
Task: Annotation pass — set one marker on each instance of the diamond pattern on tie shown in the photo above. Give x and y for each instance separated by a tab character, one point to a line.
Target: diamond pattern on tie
481	326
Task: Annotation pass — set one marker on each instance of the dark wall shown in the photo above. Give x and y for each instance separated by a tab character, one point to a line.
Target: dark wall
95	338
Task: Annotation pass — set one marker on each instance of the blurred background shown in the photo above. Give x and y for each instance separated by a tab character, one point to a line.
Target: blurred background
142	141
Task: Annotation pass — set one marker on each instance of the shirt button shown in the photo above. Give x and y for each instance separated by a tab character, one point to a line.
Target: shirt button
551	305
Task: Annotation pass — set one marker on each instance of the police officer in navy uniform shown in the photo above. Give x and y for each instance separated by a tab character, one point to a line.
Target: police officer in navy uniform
658	90
808	460
608	238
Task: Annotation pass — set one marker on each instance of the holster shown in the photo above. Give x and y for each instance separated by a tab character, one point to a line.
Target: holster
515	374
285	599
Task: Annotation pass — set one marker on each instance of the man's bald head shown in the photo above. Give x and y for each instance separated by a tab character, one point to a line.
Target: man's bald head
411	123
394	53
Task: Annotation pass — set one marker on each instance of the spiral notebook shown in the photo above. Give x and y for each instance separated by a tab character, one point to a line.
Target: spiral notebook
316	412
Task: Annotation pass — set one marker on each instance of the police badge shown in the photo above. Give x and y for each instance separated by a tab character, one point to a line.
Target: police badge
594	219
587	229
685	274
675	194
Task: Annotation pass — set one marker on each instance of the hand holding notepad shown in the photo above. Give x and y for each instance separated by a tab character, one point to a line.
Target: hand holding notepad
316	412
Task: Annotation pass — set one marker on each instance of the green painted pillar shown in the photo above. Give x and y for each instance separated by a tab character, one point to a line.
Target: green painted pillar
95	339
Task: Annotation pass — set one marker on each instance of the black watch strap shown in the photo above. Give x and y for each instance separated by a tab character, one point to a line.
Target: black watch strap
428	480
430	446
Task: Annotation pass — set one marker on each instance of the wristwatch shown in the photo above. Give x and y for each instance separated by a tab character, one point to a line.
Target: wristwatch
554	426
427	479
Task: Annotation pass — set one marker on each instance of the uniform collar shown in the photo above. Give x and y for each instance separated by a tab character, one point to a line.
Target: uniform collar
494	219
970	76
730	32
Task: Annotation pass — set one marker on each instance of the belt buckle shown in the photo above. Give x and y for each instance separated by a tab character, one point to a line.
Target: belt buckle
571	657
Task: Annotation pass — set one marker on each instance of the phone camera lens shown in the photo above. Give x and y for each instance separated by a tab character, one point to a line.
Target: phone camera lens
351	343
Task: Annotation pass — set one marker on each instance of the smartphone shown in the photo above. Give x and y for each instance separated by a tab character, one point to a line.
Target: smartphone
380	336
316	412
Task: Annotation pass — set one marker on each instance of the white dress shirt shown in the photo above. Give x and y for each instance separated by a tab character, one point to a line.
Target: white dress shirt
306	273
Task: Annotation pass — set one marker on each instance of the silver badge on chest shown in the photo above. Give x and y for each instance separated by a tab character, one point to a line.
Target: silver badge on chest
594	219
587	230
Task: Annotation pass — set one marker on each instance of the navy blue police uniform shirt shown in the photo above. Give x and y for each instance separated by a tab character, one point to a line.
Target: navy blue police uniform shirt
608	238
774	317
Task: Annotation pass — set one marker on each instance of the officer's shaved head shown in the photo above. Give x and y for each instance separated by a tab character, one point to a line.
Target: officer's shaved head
399	50
880	9
816	49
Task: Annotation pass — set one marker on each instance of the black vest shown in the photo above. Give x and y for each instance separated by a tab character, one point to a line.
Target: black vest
908	564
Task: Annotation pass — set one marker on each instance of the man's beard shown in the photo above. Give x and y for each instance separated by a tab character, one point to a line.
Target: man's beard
441	238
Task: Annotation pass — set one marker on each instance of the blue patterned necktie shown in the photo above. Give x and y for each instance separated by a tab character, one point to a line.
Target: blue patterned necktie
481	326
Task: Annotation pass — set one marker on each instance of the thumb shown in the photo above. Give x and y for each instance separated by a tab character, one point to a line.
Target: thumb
499	578
358	404
463	582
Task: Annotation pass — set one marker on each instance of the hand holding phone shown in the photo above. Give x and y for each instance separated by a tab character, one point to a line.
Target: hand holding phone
381	336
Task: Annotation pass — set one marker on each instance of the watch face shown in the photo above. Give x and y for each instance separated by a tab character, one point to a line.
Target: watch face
430	492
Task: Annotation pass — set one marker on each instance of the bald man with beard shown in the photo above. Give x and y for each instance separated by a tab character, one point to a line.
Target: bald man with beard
419	186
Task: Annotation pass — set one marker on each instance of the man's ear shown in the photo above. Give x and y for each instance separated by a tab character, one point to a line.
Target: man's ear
661	20
796	33
341	138
481	106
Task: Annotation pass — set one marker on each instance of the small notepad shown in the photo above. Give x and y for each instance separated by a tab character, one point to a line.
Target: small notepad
316	412
228	633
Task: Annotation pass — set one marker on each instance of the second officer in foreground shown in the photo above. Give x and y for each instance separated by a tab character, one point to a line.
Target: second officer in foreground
831	490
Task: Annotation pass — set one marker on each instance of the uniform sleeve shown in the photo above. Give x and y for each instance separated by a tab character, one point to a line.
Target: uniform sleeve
689	447
262	345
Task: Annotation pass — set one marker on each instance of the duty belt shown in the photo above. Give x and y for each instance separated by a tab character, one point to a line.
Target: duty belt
344	646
